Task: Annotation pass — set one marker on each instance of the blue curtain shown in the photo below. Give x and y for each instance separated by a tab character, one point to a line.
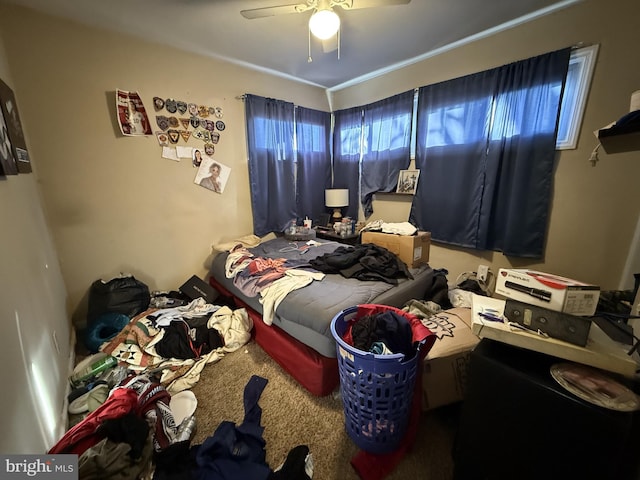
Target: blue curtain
272	181
313	134
485	149
386	145
347	128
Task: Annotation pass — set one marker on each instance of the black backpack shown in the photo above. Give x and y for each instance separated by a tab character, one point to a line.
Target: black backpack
124	294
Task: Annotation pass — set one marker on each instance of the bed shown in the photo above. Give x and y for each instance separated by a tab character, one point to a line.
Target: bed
299	338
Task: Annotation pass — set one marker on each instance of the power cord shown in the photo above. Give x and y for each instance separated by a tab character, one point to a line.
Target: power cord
594	156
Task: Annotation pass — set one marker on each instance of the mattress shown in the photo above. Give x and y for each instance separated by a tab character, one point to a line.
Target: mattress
306	314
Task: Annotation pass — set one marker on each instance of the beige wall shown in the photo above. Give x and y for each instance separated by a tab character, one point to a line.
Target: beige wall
33	312
595	209
114	204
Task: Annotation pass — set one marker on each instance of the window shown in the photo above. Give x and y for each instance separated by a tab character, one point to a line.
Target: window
485	147
581	66
288	150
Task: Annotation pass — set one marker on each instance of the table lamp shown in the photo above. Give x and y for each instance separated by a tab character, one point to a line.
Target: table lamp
336	198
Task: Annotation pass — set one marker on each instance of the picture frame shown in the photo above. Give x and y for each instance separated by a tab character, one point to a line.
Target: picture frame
14	157
408	182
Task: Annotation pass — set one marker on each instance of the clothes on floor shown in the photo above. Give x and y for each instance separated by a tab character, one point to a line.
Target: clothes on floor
136	346
235	452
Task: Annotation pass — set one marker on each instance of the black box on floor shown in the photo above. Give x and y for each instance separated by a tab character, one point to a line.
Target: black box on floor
195	287
518	422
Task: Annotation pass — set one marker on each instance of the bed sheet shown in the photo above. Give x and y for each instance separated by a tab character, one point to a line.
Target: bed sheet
306	313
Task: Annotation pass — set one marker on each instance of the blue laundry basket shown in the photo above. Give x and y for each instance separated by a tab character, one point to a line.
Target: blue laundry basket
376	390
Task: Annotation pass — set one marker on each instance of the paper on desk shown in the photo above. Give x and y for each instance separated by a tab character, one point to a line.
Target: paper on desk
600	351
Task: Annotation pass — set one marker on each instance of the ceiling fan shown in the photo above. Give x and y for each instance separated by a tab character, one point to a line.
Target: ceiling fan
324	23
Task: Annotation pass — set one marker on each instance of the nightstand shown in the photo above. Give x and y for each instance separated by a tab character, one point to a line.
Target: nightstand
352	239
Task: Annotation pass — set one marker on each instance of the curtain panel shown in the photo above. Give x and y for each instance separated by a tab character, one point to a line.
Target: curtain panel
485	148
272	179
386	145
313	135
347	134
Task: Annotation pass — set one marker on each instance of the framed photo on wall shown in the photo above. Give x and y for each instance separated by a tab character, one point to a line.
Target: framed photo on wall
9	110
408	181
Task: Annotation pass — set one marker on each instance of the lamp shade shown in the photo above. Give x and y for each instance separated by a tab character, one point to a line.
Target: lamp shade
336	197
324	24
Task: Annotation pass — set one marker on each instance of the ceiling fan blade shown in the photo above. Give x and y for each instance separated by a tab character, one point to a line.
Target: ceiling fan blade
356	4
276	10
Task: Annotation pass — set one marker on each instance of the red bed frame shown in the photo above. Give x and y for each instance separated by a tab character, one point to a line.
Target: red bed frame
315	372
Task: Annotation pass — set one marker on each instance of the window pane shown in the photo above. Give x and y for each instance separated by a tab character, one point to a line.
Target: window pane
350	141
313	137
458	124
581	66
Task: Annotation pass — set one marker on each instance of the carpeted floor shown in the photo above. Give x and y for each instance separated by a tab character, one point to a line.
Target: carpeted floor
292	416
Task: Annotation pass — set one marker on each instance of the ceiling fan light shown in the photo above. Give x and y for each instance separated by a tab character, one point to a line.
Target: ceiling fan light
324	24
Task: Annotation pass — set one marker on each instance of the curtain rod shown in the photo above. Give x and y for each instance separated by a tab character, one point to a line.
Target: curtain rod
241	97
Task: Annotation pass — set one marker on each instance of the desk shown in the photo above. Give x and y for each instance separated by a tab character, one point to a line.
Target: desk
352	239
600	351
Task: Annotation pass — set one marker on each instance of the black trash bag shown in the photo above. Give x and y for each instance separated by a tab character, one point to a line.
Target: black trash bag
124	294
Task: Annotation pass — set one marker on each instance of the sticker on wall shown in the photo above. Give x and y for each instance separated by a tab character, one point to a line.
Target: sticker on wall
173	122
218	112
182	107
162	122
185	135
185	122
171	105
220	125
203	111
209	149
14	128
193	109
163	139
215	137
209	125
196	160
158	103
195	122
132	116
198	133
174	136
212	175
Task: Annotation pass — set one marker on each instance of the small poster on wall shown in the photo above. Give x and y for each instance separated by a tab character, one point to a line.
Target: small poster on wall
132	116
14	127
7	161
212	174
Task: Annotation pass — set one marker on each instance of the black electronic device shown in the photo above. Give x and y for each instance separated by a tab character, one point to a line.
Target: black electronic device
323	220
195	287
570	328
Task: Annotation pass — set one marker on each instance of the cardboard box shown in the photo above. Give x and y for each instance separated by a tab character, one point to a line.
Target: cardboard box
445	368
411	249
549	291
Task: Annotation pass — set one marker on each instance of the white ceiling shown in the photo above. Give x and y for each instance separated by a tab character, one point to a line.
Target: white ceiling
373	40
